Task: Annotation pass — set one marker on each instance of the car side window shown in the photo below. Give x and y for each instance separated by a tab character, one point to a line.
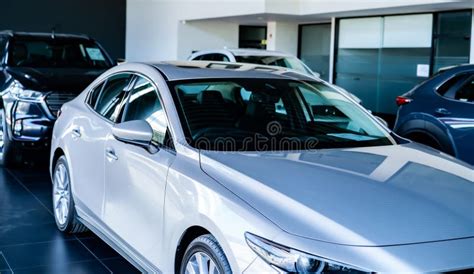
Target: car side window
466	92
213	57
94	95
450	84
223	58
144	104
111	99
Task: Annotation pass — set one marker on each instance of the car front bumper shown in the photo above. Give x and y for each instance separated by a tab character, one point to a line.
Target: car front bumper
29	124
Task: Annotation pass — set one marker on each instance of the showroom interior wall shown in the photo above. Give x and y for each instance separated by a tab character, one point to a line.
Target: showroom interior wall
91	17
163	29
199	35
375	49
155	31
359	8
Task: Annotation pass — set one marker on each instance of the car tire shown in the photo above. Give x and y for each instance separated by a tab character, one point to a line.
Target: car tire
205	248
64	208
12	155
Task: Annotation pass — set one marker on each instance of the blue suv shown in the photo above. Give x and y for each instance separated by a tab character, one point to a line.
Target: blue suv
440	113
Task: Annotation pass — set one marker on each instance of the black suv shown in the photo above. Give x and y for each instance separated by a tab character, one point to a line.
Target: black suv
38	73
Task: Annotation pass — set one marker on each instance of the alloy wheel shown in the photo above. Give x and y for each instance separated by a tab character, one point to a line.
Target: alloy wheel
1	129
61	194
200	263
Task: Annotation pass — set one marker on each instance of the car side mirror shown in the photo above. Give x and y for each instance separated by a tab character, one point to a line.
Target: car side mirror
137	132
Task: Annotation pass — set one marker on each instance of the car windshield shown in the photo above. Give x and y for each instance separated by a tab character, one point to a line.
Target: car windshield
56	53
272	115
279	61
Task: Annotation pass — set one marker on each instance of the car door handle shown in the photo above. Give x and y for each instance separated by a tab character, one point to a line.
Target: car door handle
76	133
110	153
442	112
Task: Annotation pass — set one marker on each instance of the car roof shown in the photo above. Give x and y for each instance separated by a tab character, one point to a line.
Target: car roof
257	52
457	68
44	35
183	70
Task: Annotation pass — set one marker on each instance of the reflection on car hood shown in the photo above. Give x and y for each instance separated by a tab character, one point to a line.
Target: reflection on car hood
54	79
371	196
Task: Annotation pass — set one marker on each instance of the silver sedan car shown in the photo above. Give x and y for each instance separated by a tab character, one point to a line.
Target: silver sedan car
222	168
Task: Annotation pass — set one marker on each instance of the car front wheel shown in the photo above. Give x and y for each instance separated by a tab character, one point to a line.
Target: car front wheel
205	255
63	203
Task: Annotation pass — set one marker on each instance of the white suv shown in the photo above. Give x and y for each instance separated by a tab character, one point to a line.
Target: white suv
260	57
254	56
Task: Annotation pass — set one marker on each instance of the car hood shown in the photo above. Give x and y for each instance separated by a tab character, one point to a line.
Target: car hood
54	79
373	196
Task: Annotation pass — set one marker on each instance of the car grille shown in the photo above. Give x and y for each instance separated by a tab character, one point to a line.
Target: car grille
55	100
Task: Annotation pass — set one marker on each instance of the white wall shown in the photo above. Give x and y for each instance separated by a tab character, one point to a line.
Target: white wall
332	6
155	32
282	6
282	36
151	31
199	35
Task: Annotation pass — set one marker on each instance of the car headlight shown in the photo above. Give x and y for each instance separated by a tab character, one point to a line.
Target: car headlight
19	92
290	260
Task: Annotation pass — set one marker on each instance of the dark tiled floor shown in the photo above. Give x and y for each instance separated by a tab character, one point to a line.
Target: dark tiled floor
29	240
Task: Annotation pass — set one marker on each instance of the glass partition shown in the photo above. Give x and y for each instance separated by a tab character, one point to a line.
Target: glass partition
452	39
315	47
379	58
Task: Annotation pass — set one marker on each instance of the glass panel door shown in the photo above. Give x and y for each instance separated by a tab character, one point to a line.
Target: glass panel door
379	58
452	39
358	58
315	45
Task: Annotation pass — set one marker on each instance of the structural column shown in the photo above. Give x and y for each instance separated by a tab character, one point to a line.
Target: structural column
332	51
282	36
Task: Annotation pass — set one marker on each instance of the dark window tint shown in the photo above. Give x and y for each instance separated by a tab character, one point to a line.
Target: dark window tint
444	88
466	92
144	104
452	31
2	48
110	100
213	57
57	53
94	95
